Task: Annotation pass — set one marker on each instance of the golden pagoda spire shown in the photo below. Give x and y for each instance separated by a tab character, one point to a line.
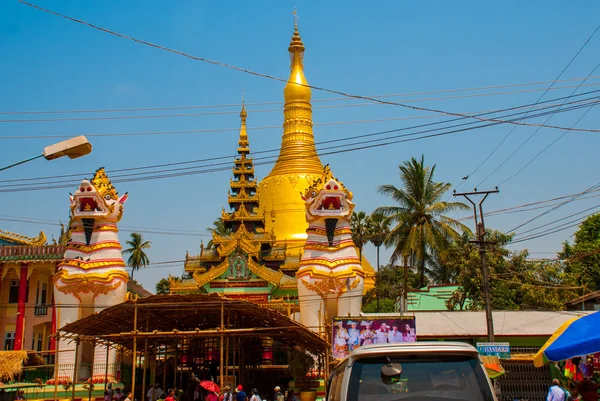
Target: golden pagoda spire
243	141
298	153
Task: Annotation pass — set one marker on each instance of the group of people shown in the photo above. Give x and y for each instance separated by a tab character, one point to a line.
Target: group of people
116	394
241	395
584	390
349	339
156	393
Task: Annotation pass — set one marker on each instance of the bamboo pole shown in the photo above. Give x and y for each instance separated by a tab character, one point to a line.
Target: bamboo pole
91	374
221	344
106	368
134	358
145	359
227	350
56	368
75	368
202	333
164	383
175	363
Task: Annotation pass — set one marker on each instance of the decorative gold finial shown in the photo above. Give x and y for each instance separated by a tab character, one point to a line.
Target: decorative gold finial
295	19
243	113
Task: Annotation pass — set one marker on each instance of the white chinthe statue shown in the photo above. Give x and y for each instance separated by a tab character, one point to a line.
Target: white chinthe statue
92	274
330	277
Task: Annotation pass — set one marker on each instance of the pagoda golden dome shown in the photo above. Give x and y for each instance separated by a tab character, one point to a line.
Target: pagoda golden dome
298	164
297	87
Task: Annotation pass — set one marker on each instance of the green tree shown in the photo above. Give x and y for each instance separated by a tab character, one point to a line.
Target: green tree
218	228
137	257
378	230
359	224
163	287
388	286
422	230
515	282
582	258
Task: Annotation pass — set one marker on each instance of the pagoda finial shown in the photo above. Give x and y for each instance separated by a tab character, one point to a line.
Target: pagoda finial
243	114
297	87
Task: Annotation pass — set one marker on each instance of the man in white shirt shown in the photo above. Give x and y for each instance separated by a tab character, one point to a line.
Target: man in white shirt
381	334
155	393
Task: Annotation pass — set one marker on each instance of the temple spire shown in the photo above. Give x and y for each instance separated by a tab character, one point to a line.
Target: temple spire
298	153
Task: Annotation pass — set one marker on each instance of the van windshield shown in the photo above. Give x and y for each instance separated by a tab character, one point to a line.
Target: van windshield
423	377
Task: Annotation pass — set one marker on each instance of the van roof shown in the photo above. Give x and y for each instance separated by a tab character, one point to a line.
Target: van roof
412	348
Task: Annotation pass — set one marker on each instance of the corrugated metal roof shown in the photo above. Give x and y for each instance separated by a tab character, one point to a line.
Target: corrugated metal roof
458	324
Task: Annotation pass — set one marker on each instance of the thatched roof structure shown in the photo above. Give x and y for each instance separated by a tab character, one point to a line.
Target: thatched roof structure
11	364
164	318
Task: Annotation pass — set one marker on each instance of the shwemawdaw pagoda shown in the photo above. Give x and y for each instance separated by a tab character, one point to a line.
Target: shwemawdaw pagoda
257	256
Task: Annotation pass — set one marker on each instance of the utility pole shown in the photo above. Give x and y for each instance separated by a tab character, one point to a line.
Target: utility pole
480	232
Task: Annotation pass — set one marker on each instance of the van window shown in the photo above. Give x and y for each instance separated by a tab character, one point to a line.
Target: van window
335	387
423	378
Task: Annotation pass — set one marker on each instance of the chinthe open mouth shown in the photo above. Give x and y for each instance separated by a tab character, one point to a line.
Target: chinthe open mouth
331	203
88	205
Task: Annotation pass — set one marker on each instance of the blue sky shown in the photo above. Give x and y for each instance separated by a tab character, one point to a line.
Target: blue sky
365	48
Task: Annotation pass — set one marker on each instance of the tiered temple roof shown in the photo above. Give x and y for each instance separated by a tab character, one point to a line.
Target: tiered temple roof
243	197
245	261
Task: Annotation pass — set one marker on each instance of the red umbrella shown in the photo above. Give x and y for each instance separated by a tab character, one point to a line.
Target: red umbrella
210	386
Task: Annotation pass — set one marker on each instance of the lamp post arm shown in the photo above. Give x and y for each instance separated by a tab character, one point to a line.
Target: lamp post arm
21	162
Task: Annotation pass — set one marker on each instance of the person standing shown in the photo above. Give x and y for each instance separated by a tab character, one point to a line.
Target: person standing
155	393
555	392
240	394
588	390
227	395
353	336
408	335
367	335
340	347
278	396
255	396
381	334
394	336
129	397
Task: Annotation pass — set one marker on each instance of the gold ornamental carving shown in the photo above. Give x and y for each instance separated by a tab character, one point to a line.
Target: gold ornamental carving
211	274
272	276
332	264
95	247
82	264
332	285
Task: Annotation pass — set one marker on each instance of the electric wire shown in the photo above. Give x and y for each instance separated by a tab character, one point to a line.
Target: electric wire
267	76
537	101
345	148
273	150
251	111
532	135
237	105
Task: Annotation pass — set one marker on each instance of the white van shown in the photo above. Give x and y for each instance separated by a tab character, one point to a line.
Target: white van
420	371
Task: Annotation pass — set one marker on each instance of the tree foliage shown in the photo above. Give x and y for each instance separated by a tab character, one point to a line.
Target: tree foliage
218	228
389	281
163	287
582	258
359	224
137	256
422	231
515	282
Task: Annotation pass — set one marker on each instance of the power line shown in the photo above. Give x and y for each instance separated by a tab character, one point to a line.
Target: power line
532	135
267	76
238	105
35	186
556	221
537	101
215	113
571	199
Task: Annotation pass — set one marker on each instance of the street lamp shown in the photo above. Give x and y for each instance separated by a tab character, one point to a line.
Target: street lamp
73	148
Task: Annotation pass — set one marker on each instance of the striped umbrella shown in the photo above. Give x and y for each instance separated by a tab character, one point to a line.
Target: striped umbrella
576	337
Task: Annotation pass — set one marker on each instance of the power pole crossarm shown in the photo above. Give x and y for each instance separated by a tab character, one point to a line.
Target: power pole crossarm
480	233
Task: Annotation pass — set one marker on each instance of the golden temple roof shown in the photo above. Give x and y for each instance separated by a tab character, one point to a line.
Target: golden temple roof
298	164
18	239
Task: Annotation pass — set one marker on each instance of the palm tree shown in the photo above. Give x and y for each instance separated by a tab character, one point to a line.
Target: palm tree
137	256
421	229
378	230
218	228
359	224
